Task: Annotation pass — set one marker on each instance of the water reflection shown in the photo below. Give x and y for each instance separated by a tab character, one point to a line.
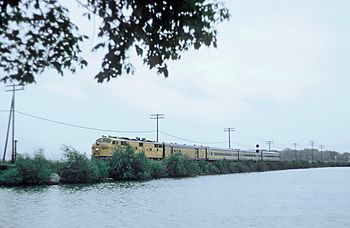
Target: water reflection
29	189
293	198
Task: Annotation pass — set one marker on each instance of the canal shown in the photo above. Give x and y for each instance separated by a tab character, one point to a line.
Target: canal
291	198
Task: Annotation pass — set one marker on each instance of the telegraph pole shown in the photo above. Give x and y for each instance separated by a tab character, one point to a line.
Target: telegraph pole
269	142
321	147
12	116
312	150
157	117
229	135
295	151
8	131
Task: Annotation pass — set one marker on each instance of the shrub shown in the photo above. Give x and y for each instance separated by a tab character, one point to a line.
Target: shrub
55	166
34	170
241	167
205	167
180	165
99	169
125	164
157	169
75	168
261	166
253	167
10	177
191	167
221	166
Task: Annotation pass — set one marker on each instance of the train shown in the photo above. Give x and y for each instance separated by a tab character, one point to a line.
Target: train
105	146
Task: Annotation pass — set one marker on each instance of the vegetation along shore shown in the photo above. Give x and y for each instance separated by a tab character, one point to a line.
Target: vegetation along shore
127	164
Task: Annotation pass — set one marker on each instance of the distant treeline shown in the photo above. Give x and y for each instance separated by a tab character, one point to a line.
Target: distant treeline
128	165
314	155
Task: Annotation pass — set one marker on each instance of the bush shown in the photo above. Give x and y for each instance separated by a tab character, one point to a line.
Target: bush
180	165
34	170
205	167
99	169
128	165
55	166
192	167
157	169
261	166
75	168
10	177
221	166
241	167
252	165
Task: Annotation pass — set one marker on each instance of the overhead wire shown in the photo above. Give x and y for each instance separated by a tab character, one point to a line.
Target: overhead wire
80	126
121	131
189	140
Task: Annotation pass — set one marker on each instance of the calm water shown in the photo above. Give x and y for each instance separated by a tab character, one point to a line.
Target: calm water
292	198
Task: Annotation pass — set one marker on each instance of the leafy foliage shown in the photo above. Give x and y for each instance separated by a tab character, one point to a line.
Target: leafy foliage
10	177
159	31
99	169
180	165
157	169
36	35
128	165
34	170
76	167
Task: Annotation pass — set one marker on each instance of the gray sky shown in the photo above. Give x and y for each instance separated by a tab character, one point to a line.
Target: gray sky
280	73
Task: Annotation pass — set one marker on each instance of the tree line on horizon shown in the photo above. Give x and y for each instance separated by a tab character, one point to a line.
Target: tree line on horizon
305	154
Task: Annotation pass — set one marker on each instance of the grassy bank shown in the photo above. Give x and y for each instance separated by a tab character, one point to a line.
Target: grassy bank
128	165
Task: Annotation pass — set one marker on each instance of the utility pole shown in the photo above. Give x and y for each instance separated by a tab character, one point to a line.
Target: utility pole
157	117
12	116
312	150
295	151
8	131
321	147
229	135
269	142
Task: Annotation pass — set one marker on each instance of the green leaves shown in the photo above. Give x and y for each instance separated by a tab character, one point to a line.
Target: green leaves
128	165
159	30
36	36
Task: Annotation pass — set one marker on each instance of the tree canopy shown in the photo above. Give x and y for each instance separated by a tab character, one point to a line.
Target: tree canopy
38	35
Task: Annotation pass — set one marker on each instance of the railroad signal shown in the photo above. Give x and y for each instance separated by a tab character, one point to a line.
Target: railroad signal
257	148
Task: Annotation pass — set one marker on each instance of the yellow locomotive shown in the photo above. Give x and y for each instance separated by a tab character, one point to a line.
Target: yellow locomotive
105	146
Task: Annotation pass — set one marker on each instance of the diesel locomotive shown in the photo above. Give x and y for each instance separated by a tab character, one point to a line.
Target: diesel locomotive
104	147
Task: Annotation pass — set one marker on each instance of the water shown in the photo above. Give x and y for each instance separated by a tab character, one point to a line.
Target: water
291	198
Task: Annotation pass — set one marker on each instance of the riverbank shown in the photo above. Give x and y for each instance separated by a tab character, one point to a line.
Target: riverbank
128	165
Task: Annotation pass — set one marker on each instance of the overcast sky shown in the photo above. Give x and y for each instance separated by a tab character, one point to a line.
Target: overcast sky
280	73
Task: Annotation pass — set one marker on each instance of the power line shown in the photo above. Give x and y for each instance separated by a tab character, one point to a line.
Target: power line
189	140
121	131
80	126
201	142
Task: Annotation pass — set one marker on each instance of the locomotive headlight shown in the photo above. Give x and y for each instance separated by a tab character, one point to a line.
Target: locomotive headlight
97	149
